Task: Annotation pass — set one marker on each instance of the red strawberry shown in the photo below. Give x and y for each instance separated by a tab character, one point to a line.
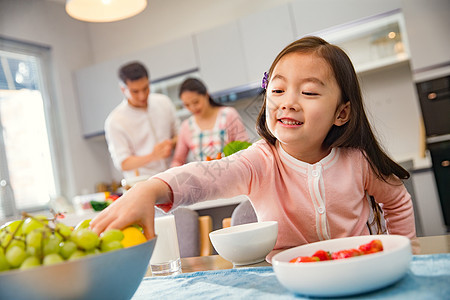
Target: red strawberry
346	254
302	259
322	255
372	247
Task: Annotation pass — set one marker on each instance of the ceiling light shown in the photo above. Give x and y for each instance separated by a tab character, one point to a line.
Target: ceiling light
104	10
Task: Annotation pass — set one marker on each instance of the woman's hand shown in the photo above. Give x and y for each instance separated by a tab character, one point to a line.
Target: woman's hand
137	206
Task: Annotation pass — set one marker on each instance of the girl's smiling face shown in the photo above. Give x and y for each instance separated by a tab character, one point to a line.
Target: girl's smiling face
302	104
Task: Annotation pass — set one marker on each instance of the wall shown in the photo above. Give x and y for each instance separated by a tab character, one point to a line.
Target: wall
393	109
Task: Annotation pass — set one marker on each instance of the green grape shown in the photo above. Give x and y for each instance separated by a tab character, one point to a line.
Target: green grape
12	226
58	237
83	224
42	218
15	256
30	262
51	245
46	231
86	239
16	242
34	251
5	239
67	248
73	237
34	238
111	235
30	224
64	230
51	259
4	265
94	251
112	245
77	255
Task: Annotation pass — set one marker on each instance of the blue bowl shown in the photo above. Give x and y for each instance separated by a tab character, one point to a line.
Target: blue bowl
112	275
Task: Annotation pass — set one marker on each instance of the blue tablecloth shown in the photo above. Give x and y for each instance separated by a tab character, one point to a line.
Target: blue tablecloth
427	278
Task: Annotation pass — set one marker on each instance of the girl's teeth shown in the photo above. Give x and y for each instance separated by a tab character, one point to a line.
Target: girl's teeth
290	122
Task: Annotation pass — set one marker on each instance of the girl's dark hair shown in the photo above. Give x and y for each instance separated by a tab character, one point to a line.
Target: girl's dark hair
133	71
357	132
195	85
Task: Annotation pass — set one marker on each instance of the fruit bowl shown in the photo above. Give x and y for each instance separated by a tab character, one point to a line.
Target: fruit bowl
247	243
111	275
344	277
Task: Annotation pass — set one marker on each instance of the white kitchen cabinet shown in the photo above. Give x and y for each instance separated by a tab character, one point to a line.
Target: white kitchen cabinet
98	93
372	43
98	85
264	35
221	57
169	59
427	202
313	16
428	27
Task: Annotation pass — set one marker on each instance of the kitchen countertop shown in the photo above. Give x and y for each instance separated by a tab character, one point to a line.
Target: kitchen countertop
73	219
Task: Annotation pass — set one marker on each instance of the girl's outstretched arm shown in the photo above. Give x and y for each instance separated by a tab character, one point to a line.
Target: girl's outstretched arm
136	206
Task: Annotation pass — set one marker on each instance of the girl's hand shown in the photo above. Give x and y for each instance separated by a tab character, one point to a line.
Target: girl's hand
137	206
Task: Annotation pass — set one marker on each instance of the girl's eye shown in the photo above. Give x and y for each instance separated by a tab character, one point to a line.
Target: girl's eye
309	94
276	91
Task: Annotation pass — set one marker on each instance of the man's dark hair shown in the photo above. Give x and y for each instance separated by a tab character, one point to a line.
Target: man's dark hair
132	71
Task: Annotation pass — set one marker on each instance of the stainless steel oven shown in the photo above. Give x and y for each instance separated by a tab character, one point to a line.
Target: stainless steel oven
434	96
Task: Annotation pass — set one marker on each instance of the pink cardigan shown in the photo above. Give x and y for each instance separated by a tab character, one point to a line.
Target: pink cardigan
311	202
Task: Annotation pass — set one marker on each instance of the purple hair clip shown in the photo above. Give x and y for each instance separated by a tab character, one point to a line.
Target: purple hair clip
265	81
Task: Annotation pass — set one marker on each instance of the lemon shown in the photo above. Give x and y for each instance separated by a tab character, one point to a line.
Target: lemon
132	237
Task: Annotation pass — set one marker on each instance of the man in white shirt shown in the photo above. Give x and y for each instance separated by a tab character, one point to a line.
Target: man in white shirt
141	132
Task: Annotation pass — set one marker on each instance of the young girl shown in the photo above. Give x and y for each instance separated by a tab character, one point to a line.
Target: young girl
314	170
210	127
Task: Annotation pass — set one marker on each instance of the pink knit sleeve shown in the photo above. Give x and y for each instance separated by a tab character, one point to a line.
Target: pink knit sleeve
182	147
217	179
395	201
235	128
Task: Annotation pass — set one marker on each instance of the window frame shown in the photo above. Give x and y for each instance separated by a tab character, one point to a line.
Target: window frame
45	82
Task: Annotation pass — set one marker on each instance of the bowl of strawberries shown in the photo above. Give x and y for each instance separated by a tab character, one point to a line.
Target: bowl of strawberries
344	266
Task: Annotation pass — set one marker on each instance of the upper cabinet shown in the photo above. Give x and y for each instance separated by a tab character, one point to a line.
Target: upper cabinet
169	59
239	53
372	43
98	85
98	94
264	35
313	16
428	26
221	57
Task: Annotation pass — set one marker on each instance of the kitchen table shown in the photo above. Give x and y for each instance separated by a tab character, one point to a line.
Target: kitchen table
214	277
429	245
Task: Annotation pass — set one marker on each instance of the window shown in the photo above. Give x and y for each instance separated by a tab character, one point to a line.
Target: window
29	164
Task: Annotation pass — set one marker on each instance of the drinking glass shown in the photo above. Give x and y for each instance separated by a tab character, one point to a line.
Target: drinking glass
166	255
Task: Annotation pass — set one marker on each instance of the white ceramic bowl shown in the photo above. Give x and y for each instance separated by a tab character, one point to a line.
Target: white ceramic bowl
343	277
247	243
112	275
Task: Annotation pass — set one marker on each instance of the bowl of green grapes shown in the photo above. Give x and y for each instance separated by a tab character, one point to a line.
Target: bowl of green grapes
42	258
